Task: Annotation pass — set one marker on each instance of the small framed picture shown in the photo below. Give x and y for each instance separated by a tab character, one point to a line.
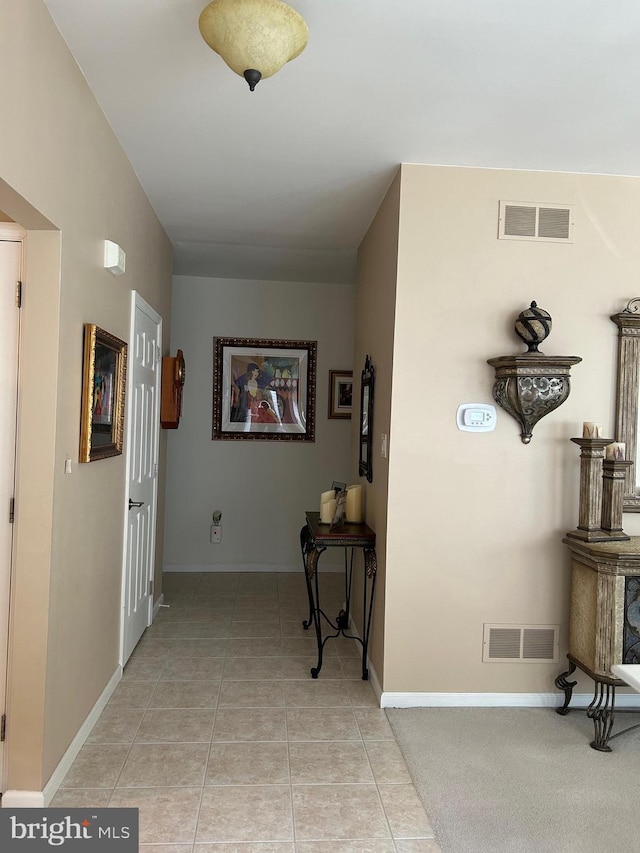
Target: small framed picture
341	505
340	393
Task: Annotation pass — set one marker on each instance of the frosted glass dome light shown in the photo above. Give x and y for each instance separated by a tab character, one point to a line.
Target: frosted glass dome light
254	37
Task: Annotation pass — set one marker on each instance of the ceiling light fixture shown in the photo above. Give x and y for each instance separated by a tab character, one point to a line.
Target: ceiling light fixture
254	37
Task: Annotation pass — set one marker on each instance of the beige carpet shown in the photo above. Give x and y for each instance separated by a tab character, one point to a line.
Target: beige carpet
522	780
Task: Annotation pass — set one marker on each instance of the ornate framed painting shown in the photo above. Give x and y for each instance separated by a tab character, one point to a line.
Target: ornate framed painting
104	375
264	389
340	393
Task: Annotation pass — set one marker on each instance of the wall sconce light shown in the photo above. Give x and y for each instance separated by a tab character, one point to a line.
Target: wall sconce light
254	37
114	258
530	385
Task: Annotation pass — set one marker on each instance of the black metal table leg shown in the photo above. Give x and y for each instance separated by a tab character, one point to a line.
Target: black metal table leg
370	571
603	706
562	683
602	712
306	546
317	613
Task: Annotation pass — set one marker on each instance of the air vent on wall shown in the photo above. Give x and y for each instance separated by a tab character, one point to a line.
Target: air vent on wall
545	222
524	643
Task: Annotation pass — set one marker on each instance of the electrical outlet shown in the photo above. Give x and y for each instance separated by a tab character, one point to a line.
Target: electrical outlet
216	534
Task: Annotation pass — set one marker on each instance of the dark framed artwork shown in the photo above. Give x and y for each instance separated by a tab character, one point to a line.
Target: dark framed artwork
104	374
365	461
264	389
340	393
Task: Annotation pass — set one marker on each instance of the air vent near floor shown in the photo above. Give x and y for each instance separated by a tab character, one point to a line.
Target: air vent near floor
544	222
523	643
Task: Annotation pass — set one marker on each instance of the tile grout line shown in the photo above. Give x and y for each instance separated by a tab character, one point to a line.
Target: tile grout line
206	764
294	838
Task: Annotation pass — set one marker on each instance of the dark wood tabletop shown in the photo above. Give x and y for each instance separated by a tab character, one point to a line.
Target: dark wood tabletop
350	535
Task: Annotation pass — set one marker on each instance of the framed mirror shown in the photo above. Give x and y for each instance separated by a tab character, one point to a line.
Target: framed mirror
627	397
365	464
103	387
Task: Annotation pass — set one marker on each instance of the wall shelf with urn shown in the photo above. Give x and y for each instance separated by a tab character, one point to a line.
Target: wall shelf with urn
530	385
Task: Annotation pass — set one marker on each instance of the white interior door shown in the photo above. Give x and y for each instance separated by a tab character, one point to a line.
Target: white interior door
10	263
143	424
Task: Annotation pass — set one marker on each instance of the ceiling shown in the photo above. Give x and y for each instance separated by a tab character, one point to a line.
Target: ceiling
283	182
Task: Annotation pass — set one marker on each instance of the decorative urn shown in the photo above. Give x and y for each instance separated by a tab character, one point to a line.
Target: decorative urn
533	326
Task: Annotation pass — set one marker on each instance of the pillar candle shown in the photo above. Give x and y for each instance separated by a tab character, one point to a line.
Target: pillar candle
615	450
591	430
327	511
353	509
326	496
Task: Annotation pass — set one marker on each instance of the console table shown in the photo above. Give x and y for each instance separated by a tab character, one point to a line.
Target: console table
604	625
315	538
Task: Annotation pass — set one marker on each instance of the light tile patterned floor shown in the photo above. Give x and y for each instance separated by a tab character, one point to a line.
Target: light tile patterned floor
221	738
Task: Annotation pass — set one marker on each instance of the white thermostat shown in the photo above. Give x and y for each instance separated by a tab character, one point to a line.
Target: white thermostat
476	417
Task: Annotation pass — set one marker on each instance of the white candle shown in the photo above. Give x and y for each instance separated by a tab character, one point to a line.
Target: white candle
615	450
326	496
327	511
591	430
353	508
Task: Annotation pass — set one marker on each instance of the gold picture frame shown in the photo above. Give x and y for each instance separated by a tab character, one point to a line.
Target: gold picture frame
104	375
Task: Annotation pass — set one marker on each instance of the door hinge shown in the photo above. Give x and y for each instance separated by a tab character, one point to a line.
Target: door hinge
18	294
12	509
150	592
3	727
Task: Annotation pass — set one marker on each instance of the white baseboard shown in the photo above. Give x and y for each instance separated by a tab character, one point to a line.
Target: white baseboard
76	744
41	799
373	675
247	567
23	800
496	700
158	604
373	680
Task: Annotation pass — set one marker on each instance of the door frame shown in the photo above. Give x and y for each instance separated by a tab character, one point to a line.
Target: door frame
11	232
138	302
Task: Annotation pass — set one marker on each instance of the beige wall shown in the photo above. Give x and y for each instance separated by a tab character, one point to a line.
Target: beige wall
375	314
62	165
262	488
475	521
